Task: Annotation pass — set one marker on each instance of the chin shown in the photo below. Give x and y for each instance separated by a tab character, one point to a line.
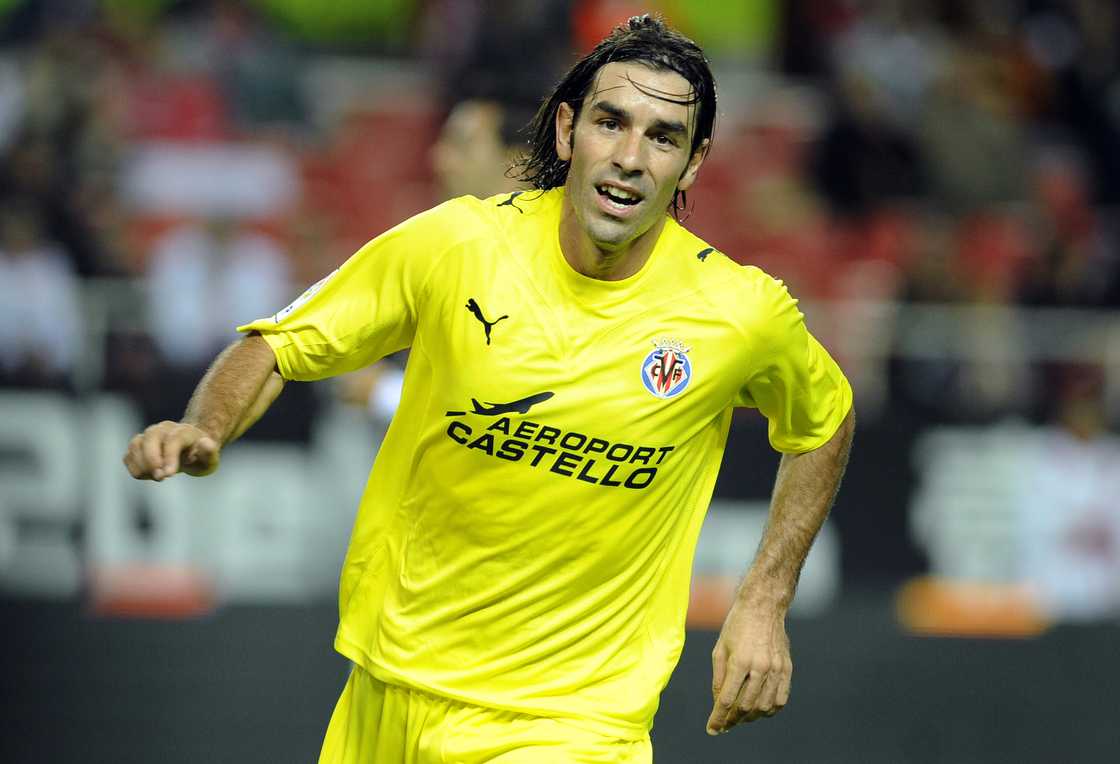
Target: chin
608	234
609	238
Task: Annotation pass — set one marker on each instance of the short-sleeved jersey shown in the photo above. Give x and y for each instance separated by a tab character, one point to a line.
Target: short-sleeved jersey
526	535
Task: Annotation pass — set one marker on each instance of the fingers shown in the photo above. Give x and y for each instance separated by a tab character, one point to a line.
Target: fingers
748	706
157	453
132	458
173	445
782	695
766	703
747	695
724	714
151	452
773	693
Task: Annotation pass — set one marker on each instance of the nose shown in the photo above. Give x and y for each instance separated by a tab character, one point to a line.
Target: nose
628	153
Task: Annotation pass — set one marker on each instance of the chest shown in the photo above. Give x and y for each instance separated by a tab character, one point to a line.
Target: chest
501	341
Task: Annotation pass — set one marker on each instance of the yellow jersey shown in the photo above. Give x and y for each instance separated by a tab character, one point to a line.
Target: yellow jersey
525	538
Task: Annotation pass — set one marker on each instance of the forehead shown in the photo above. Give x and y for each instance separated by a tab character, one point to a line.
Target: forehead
632	84
471	119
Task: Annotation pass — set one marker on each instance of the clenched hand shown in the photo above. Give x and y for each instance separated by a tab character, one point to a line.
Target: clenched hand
170	447
751	667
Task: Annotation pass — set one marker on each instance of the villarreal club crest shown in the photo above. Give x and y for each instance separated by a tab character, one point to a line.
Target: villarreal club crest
667	370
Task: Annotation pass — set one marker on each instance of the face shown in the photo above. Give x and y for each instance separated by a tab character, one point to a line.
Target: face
470	157
629	151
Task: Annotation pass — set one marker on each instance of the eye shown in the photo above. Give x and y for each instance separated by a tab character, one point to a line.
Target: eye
662	139
609	124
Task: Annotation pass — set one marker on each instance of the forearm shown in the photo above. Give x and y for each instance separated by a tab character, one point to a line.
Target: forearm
804	491
236	390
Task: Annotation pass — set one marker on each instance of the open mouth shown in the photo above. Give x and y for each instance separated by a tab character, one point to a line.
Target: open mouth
618	195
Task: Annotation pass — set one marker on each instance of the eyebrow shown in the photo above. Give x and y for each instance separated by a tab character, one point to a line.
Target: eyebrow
663	125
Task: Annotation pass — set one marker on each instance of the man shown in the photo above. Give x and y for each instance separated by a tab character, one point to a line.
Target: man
476	147
517	580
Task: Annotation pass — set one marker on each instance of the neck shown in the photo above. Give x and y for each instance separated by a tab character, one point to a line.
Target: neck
597	262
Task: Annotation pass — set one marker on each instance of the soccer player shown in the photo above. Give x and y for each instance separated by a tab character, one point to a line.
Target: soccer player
516	585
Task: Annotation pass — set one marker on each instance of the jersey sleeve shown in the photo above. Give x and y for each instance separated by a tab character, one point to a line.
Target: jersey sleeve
792	380
371	305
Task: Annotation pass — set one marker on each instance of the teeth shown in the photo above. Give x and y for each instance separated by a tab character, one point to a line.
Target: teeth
618	193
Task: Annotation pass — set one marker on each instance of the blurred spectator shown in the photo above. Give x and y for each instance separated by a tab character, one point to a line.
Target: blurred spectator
892	53
961	367
863	160
1075	42
257	71
203	280
500	49
66	144
971	133
477	147
1078	260
39	302
921	385
1071	531
807	30
32	169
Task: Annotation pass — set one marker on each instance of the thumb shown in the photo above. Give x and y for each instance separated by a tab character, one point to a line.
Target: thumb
714	725
716	719
719	669
202	458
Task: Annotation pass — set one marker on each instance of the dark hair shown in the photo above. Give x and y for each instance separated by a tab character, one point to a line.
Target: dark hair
645	39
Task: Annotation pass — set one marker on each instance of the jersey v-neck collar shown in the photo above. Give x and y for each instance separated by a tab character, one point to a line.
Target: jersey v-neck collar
600	292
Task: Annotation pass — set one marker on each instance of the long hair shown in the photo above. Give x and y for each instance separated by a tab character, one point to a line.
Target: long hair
644	39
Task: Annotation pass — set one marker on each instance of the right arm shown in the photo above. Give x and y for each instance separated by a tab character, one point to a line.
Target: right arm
235	391
365	310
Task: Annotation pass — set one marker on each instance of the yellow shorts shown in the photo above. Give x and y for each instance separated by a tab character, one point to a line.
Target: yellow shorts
389	724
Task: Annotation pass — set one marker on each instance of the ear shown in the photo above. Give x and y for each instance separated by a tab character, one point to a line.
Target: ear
565	124
688	177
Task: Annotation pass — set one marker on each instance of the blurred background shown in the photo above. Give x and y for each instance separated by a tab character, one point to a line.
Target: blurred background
938	181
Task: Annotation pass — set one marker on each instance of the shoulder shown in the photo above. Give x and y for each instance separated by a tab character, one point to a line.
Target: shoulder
749	296
462	218
718	274
468	218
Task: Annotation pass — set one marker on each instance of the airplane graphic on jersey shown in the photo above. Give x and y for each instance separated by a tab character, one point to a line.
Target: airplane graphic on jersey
520	406
473	307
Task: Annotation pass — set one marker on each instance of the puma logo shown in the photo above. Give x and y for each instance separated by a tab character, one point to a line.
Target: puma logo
472	306
509	202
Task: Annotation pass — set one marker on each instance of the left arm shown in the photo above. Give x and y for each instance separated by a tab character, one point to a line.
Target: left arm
751	665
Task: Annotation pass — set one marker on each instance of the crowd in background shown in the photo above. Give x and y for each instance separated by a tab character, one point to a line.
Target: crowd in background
876	150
